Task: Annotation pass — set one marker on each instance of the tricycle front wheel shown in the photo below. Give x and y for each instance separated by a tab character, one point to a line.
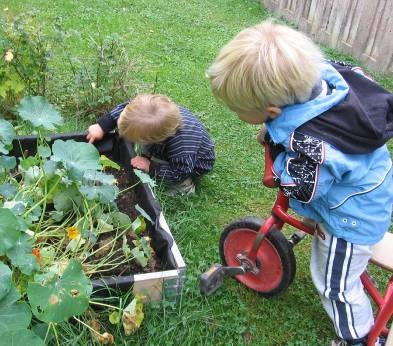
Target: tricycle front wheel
275	260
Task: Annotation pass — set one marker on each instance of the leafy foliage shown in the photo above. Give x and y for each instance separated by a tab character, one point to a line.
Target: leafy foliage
39	112
58	225
57	298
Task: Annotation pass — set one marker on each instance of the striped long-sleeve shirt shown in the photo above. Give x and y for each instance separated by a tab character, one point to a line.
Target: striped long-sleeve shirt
189	152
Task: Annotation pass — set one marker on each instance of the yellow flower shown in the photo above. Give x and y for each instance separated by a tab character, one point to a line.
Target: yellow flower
8	56
73	232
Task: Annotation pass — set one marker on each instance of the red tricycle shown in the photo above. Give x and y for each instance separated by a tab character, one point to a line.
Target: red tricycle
257	254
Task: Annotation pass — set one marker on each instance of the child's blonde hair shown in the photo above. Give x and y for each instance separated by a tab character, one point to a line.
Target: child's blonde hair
149	119
265	65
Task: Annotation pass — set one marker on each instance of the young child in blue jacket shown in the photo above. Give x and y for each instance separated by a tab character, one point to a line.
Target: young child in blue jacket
328	125
176	146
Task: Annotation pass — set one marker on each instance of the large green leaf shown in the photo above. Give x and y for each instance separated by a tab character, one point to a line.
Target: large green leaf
60	297
7	190
39	112
105	194
7	162
10	298
15	316
21	256
5	280
96	176
21	337
66	199
7	134
9	230
76	157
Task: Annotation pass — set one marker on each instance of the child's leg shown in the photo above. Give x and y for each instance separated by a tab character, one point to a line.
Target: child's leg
336	266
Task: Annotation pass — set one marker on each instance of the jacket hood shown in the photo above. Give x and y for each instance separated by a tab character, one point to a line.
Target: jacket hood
356	118
361	123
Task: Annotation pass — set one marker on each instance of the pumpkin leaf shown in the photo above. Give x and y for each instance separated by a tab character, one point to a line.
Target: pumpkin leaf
21	256
39	112
105	194
21	337
95	176
7	134
9	230
66	199
108	163
7	162
14	317
144	213
59	297
5	280
114	317
7	190
76	157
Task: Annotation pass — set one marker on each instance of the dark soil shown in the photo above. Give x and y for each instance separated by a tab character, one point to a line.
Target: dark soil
126	204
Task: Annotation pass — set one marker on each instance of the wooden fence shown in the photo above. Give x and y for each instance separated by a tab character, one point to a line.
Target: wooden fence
362	28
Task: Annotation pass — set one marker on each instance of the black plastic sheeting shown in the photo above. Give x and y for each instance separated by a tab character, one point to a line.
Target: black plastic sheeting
121	152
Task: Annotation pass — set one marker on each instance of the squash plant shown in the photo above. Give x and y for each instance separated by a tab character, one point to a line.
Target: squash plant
57	215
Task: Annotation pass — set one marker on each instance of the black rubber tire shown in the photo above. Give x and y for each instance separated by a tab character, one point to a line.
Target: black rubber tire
278	242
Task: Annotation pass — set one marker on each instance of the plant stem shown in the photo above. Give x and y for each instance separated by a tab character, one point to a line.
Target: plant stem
86	325
107	305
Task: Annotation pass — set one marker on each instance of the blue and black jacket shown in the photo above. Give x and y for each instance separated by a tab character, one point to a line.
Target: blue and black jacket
189	152
334	164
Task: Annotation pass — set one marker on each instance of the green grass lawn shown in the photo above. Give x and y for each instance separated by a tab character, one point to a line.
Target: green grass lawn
178	40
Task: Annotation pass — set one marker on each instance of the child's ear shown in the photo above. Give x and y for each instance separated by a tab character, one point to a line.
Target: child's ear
273	112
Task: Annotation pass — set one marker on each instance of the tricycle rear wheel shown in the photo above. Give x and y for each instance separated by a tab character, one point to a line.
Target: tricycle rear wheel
275	258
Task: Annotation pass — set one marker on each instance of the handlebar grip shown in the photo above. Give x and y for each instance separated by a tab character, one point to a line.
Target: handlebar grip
268	177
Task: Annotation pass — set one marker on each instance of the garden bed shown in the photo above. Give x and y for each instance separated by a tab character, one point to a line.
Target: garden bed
167	267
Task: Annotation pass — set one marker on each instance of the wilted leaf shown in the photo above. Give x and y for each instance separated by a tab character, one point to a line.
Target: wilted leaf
114	317
7	134
39	112
105	162
139	225
76	157
55	299
9	230
133	315
145	178
143	213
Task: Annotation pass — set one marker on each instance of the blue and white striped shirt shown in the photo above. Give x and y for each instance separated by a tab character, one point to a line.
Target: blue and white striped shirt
189	152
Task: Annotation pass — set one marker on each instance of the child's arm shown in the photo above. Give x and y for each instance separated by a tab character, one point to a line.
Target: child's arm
105	123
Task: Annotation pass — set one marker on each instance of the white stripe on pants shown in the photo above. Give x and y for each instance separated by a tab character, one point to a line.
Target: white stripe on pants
336	266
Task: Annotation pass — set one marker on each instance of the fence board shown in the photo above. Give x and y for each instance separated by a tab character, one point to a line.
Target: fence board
362	28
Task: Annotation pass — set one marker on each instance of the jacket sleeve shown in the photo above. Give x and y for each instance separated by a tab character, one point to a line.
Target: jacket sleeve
301	171
177	169
108	121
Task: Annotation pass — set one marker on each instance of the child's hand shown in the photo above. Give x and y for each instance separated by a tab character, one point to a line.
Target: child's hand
261	135
141	163
94	133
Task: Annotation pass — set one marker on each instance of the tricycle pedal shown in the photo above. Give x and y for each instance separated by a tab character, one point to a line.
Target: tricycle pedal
211	281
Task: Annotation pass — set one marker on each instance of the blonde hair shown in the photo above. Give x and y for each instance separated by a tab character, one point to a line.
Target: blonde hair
265	65
149	119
